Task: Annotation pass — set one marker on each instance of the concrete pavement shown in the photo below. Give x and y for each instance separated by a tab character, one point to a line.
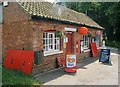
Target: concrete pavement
90	72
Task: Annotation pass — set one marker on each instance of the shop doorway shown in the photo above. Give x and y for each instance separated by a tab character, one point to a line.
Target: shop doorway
97	40
69	43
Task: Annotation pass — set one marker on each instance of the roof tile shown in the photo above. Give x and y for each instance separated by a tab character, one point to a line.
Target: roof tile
54	11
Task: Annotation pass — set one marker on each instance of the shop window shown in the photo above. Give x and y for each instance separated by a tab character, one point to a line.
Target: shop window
85	42
51	42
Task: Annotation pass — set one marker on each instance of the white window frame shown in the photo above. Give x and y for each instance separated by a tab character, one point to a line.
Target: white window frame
85	42
47	48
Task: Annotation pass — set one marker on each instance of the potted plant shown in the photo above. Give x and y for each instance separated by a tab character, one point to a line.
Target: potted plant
90	34
57	33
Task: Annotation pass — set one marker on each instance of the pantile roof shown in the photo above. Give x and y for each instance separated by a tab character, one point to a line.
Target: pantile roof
58	12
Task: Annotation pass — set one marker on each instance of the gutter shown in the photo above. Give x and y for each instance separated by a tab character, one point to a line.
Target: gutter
35	17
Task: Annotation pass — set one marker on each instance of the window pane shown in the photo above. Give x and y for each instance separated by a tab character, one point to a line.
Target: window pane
43	35
44	41
51	46
46	48
51	35
58	41
51	42
55	41
46	35
48	41
55	47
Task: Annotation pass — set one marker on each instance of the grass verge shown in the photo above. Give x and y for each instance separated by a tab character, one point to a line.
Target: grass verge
11	77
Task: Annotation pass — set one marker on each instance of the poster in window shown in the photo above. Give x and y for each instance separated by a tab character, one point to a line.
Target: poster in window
81	46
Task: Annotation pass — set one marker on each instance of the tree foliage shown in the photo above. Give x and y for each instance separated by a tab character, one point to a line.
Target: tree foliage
106	14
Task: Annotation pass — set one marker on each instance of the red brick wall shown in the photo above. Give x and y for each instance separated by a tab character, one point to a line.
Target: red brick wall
29	35
49	62
16	36
19	32
16	29
14	13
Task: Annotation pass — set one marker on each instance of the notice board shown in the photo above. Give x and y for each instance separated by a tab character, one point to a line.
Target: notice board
104	55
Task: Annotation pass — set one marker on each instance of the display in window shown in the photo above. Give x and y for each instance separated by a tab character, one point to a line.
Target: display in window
81	46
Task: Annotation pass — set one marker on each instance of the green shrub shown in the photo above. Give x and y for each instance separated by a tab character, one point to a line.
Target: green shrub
113	44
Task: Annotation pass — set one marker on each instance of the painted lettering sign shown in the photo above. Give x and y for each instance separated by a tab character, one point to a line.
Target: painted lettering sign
70	61
104	55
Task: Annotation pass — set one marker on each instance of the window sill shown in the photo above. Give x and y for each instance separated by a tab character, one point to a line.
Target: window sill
52	53
86	50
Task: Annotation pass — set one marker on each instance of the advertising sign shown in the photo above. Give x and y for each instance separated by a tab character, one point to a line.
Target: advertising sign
70	29
70	61
94	50
104	55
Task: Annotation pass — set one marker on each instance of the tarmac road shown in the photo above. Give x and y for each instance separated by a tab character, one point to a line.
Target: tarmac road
90	72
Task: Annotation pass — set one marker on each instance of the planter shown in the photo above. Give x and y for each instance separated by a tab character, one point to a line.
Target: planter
90	34
59	34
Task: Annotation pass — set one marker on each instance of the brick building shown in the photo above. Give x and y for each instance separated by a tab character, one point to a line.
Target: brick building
1	21
49	29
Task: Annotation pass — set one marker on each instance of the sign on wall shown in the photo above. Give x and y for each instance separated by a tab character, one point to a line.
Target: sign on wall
70	61
104	55
70	29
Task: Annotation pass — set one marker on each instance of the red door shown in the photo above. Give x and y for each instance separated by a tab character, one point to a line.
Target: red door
69	43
